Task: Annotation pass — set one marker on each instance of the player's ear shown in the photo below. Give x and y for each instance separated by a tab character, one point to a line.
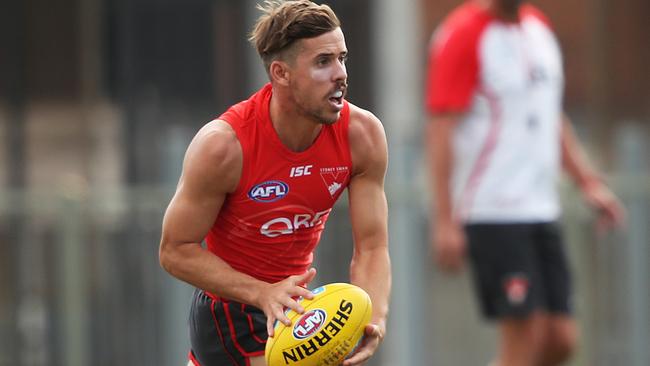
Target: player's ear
279	71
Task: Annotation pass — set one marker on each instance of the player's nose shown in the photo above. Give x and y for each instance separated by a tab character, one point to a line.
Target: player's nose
340	71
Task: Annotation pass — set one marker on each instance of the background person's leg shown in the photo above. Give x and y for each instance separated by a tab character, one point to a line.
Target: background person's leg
560	341
521	340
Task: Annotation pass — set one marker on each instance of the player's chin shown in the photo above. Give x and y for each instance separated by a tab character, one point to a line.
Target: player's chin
332	111
330	118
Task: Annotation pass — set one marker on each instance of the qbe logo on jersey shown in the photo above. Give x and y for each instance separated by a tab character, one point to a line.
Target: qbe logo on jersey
269	191
309	323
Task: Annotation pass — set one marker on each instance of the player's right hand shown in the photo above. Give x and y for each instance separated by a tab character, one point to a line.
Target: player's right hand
449	246
274	298
611	213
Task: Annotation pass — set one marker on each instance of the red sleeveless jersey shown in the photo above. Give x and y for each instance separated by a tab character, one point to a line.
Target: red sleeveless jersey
270	225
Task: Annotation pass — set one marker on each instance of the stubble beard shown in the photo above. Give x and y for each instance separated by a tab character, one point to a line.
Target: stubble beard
318	115
323	119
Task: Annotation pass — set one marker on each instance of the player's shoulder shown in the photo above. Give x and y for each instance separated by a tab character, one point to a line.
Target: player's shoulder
247	111
530	11
240	114
364	125
214	159
217	132
216	141
465	17
462	24
367	139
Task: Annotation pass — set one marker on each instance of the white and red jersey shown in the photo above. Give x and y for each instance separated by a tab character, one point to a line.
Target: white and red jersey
270	225
506	80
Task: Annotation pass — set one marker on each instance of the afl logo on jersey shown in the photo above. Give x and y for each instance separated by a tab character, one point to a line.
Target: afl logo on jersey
269	191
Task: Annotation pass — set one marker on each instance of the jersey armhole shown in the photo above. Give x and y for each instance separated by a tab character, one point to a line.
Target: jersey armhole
345	129
244	169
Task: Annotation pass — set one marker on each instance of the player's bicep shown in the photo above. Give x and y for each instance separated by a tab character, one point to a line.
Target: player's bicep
368	206
189	216
211	170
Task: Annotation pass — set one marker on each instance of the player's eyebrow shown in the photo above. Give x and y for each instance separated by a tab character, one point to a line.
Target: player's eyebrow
325	54
332	54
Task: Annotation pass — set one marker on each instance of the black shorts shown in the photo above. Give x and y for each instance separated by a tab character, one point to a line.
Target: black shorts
224	332
519	268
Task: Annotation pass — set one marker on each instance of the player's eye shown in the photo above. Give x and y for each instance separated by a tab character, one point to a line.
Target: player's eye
322	61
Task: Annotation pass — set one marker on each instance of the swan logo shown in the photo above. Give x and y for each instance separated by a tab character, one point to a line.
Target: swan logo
334	178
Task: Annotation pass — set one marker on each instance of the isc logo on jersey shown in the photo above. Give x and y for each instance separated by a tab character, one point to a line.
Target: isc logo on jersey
269	191
299	171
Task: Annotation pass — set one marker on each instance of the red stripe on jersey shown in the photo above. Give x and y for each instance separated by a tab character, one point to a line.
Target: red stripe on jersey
481	164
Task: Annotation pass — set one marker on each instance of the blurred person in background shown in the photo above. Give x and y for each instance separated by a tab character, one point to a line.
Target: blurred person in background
259	183
497	139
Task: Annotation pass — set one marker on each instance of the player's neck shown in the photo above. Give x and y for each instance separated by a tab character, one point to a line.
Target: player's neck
506	10
296	131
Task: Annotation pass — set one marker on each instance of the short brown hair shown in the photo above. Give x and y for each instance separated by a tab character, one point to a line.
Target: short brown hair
284	22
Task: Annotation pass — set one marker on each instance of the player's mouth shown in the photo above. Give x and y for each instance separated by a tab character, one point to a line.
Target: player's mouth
336	99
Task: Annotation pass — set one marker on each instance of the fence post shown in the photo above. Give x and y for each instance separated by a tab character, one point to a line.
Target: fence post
73	272
632	155
397	101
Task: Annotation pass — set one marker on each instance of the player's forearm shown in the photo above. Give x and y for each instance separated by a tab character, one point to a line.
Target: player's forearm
441	156
573	159
202	269
370	269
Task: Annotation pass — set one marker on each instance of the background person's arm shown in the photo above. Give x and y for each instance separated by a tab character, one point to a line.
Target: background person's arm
610	211
448	240
452	80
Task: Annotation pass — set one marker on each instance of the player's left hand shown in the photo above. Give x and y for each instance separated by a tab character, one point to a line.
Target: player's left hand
369	343
611	213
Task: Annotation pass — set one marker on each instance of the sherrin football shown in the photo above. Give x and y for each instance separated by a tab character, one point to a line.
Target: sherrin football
328	331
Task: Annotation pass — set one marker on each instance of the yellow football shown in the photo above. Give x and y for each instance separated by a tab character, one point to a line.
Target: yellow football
326	333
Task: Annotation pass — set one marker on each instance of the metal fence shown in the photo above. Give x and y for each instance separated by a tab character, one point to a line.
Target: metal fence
81	284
